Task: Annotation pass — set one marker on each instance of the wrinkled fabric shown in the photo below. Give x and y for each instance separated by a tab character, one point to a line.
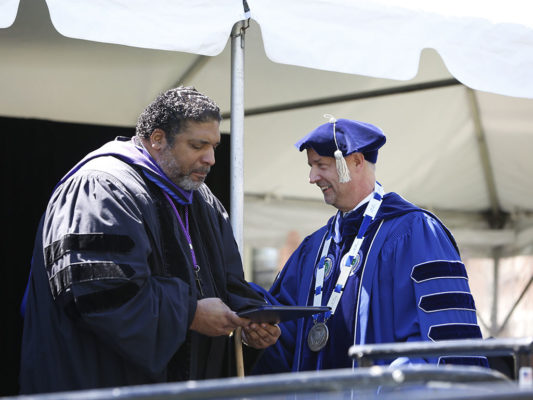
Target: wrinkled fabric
380	302
120	317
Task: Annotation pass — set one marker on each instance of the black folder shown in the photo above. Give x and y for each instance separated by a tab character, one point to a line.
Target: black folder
274	314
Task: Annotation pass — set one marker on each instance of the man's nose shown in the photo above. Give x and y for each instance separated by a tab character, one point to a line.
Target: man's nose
209	157
313	177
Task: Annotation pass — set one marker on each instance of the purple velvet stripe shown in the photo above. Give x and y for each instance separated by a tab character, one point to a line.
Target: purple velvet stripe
454	331
447	301
131	154
438	269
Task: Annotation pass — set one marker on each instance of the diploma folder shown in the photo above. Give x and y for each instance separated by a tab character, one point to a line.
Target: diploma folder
274	314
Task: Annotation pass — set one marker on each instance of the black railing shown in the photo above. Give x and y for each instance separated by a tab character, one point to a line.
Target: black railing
520	348
414	382
320	384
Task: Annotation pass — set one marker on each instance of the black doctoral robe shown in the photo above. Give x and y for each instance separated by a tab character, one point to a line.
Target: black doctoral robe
112	291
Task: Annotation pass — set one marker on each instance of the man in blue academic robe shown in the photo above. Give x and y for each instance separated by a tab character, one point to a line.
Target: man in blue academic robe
389	270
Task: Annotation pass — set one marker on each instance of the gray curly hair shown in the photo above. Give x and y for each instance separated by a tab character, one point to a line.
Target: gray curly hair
171	110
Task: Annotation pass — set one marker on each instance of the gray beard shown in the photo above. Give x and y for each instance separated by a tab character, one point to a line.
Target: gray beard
186	183
175	173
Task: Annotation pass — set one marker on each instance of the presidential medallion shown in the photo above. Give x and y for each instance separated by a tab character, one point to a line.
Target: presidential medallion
318	336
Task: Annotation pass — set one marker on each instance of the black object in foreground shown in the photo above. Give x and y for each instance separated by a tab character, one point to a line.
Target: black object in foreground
274	314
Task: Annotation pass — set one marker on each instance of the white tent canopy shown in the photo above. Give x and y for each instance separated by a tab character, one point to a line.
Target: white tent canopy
486	45
460	151
8	12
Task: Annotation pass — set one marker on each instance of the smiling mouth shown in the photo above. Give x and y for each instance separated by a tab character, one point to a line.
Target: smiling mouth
324	188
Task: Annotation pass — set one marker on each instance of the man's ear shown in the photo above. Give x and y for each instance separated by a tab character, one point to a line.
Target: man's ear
157	139
358	159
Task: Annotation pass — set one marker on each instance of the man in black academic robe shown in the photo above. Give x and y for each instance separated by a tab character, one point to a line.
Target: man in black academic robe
136	277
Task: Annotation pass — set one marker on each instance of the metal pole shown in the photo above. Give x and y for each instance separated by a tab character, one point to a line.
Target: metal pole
370	94
237	131
196	66
497	218
495	292
510	313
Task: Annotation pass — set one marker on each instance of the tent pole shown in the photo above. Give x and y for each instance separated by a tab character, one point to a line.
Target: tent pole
196	66
518	300
370	94
494	329
237	131
497	217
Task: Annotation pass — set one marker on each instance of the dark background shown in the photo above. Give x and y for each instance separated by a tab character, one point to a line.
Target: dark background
35	155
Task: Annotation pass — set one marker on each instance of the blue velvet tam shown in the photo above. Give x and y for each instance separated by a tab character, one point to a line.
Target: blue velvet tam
352	137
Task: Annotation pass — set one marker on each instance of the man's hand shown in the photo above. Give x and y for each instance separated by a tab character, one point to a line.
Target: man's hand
214	318
260	336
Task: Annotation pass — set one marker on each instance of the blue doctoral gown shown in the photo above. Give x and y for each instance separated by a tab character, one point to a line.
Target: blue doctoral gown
408	284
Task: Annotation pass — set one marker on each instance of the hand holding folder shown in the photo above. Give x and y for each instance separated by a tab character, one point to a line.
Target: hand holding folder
274	314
